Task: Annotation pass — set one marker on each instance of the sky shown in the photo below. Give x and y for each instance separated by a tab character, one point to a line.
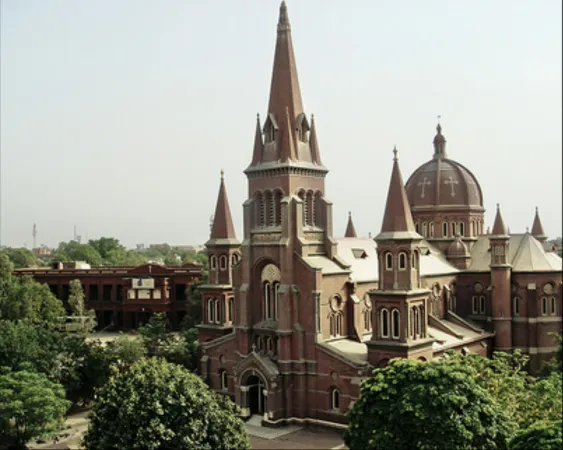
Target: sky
117	116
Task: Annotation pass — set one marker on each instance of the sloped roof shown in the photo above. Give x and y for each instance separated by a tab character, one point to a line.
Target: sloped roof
364	269
526	254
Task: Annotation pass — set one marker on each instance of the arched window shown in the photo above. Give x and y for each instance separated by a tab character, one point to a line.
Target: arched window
444	229
213	262
384	322
303	198
402	261
223	262
231	309
210	310
553	306
482	304
335	399
260	343
516	306
453	229
417	227
421	322
544	306
274	300
269	345
310	208
412	320
431	228
396	324
318	218
217	310
475	304
267	302
279	197
224	380
261	206
462	229
414	259
416	321
336	324
271	208
424	229
388	261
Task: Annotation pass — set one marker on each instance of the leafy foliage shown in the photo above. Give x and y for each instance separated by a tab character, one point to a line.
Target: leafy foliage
77	302
155	335
156	405
75	251
115	254
21	258
432	405
125	351
21	298
30	406
539	436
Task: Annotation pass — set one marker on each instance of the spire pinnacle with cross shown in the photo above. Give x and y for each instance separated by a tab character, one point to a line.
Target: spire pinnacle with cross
395	153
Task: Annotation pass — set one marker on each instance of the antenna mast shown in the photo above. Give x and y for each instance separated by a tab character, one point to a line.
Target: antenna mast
34	234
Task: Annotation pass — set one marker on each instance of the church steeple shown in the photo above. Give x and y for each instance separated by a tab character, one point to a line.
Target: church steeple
499	228
350	229
289	138
258	143
222	228
397	217
537	228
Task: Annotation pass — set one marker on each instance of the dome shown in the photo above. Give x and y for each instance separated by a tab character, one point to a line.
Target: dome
443	182
457	248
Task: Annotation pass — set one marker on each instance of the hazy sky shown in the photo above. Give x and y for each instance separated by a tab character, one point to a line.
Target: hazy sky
117	116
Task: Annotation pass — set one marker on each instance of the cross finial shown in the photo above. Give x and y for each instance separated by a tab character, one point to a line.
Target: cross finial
253	348
498	206
349	213
537	210
222	174
395	153
257	116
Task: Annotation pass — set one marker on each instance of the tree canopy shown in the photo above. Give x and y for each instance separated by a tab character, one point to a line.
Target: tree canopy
30	406
21	258
433	405
156	405
542	435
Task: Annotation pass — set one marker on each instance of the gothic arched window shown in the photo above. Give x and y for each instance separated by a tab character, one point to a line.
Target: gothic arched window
395	325
402	261
334	399
384	322
388	261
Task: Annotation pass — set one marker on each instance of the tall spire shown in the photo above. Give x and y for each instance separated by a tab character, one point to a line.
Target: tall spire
499	228
439	143
350	228
537	228
397	217
284	90
222	221
287	142
258	143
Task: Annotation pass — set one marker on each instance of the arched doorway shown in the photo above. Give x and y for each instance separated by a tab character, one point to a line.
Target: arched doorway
256	400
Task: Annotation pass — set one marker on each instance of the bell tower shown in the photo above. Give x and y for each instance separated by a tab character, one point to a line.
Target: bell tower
286	215
400	311
501	270
223	250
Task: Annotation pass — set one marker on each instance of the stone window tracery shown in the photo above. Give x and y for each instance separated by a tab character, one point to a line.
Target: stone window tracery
271	277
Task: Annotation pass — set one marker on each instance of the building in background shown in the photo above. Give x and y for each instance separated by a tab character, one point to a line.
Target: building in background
294	318
124	297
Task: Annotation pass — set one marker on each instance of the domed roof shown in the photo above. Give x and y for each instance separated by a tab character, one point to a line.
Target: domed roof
443	181
457	248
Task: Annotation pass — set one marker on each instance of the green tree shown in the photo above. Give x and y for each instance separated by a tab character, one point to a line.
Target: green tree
126	351
6	267
433	405
22	298
183	350
155	334
21	257
77	302
27	346
115	254
539	436
30	406
75	251
157	405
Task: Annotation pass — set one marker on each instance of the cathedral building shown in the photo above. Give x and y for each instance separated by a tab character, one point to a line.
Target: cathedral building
294	318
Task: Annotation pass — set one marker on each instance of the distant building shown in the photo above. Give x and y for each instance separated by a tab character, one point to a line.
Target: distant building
294	318
124	297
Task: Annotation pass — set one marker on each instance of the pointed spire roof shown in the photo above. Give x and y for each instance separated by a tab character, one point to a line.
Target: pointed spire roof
314	143
537	227
287	143
499	228
350	228
397	220
258	143
284	90
222	220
